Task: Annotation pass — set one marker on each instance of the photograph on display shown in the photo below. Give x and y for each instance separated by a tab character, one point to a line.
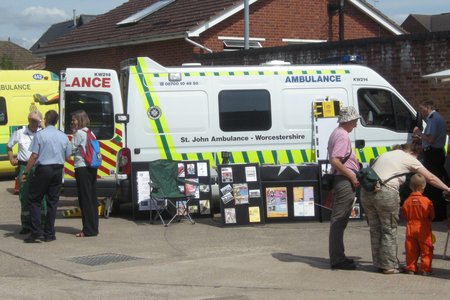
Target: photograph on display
303	201
205	207
276	202
356	211
202	169
230	216
204	188
227	174
180	171
227	198
191	187
253	214
181	188
240	193
254	193
181	208
190	169
193	209
250	174
226	189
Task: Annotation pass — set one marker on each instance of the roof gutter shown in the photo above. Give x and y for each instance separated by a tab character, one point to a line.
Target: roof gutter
136	41
198	45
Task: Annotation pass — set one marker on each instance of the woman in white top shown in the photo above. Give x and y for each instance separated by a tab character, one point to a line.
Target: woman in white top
86	177
382	207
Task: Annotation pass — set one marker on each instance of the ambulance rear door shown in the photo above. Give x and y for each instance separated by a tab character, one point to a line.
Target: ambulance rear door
96	91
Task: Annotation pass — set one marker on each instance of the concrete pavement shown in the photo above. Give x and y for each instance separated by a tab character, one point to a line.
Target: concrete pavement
133	259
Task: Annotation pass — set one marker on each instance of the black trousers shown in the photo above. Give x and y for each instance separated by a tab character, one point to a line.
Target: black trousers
47	180
87	197
434	160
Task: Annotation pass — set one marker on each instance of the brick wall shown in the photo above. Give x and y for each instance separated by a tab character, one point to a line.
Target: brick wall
293	19
167	53
269	19
402	60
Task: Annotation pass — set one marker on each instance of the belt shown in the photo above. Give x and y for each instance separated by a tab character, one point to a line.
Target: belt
22	163
54	166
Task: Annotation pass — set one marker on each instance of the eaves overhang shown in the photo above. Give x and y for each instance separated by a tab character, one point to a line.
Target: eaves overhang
196	31
377	17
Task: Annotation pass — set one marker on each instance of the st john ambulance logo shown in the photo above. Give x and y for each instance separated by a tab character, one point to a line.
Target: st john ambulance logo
154	112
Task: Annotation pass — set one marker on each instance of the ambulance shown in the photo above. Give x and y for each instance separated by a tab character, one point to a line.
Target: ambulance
271	114
22	91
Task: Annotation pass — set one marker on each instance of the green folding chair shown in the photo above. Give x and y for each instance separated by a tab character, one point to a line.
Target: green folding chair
164	192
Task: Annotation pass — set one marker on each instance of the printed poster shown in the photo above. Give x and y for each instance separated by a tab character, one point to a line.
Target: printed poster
253	214
202	169
191	188
227	174
143	189
303	201
250	174
276	202
240	192
180	171
230	216
205	207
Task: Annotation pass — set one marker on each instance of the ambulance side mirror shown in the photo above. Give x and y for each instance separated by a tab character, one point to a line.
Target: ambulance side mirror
359	144
122	118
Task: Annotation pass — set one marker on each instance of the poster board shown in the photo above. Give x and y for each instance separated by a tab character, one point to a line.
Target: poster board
195	181
240	194
290	193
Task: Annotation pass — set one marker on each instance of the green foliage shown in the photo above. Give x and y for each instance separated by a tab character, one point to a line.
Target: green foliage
6	63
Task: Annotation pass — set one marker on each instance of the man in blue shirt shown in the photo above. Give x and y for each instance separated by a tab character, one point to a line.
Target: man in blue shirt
433	140
50	148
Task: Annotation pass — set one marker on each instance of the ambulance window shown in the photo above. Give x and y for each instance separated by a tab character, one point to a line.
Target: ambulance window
3	114
382	108
98	106
244	110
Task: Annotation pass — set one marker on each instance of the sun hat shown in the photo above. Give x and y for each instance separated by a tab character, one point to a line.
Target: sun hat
35	116
347	114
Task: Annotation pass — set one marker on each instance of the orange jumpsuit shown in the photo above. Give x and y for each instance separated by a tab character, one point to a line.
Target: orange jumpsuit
418	211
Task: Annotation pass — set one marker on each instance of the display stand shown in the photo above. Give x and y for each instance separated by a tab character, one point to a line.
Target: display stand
290	193
197	185
240	194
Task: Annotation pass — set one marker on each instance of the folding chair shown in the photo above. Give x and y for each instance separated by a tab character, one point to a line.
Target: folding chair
164	192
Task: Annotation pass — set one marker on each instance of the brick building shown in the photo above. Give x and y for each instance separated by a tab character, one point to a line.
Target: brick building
173	31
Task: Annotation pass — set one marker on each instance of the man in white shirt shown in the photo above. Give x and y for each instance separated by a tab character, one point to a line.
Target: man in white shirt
23	138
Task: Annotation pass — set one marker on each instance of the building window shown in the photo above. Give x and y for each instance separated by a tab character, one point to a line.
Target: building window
302	41
238	43
244	110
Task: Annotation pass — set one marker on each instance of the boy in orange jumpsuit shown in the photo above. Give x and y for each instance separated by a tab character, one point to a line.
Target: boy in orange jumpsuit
418	211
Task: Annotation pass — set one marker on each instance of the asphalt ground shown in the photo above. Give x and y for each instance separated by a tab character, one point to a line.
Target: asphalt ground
136	260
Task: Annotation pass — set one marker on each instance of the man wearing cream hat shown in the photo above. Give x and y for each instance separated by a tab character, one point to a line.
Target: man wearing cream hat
344	165
23	137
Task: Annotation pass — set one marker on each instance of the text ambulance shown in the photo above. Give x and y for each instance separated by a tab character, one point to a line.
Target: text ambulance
268	114
17	90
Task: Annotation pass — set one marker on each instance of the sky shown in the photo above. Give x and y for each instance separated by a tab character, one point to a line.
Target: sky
25	21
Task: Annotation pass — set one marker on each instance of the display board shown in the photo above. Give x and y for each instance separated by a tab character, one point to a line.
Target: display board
195	181
240	194
290	193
